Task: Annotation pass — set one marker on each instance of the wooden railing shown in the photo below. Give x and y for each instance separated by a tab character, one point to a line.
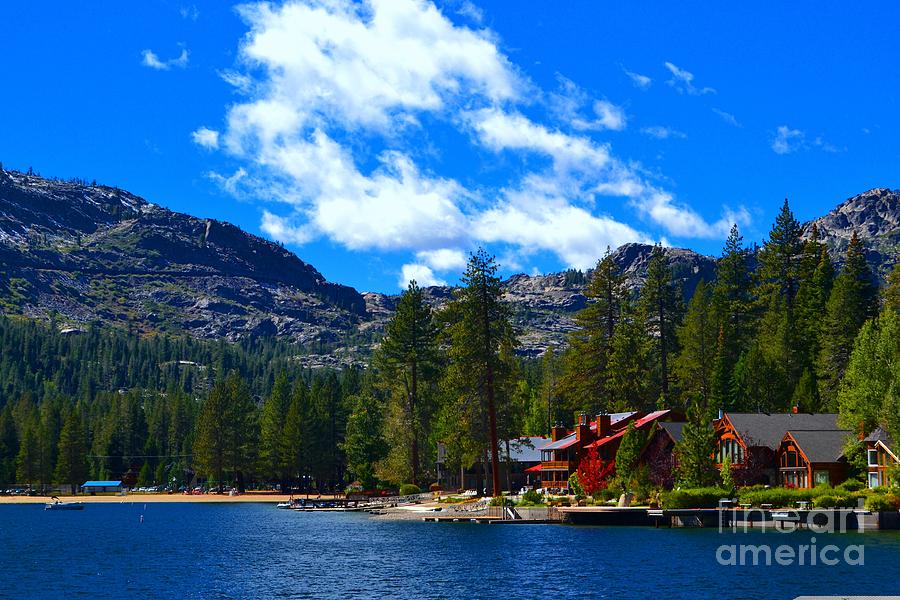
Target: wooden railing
558	464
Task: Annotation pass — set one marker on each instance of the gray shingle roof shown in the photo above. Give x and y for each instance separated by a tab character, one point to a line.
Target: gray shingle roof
880	435
673	429
761	429
822	446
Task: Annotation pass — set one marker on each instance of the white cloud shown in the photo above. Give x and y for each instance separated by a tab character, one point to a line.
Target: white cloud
470	11
331	97
683	81
229	184
569	101
533	218
206	137
662	133
421	274
683	221
150	59
825	146
640	81
189	12
727	117
787	140
363	63
609	115
282	230
443	259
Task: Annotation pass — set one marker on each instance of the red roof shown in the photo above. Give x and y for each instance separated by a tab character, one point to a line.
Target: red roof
637	425
533	469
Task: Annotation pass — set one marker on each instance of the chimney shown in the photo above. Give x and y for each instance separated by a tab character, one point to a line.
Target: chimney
862	430
582	428
795	410
557	432
604	425
721	414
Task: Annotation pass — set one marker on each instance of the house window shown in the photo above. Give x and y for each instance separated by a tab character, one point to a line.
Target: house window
873	480
791	458
873	458
821	478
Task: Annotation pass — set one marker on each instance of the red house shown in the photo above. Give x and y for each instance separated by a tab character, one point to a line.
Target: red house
561	458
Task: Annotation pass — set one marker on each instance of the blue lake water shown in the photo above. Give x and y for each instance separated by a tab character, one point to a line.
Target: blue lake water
256	551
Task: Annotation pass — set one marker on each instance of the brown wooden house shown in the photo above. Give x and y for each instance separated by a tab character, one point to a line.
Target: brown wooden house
880	458
753	440
810	458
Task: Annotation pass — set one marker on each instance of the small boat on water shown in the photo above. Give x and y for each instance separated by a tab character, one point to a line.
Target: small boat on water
57	505
295	503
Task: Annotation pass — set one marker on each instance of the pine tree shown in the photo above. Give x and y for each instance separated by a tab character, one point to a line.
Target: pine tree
585	374
851	302
816	277
628	364
891	291
227	431
778	279
628	454
364	443
71	468
272	418
408	365
697	337
871	375
297	436
695	449
662	308
479	326
28	462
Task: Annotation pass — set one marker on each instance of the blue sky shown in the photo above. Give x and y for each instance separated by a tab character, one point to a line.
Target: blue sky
384	140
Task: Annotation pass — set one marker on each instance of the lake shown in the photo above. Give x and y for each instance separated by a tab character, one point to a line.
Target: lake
255	551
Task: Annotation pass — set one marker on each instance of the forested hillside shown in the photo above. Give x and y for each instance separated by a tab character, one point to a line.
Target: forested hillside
785	324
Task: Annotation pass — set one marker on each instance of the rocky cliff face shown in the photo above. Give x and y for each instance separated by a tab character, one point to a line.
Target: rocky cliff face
82	253
544	305
95	253
875	217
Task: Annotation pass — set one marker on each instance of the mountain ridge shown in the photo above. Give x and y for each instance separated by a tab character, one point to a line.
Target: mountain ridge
78	252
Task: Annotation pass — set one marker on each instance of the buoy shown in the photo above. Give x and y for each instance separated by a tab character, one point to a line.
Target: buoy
142	518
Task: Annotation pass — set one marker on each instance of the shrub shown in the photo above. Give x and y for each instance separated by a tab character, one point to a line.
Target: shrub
434	487
707	497
531	498
501	501
408	489
834	501
780	497
883	503
851	485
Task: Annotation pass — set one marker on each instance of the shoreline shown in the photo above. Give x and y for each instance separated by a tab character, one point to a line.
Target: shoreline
262	497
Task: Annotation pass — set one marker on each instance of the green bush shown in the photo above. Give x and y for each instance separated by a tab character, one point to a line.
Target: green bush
531	498
707	497
408	489
851	485
834	501
780	497
883	503
501	501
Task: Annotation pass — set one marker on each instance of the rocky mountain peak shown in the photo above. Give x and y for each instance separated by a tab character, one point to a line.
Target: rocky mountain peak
874	216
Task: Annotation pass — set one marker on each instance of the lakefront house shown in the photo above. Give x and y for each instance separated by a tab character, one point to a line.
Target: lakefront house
880	458
793	449
561	458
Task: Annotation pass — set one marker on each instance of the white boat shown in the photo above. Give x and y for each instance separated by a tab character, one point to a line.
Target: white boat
64	506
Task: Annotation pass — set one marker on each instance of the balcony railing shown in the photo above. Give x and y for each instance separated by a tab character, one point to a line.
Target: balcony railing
558	465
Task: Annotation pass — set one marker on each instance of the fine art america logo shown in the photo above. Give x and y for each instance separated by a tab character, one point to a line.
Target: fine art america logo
817	522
